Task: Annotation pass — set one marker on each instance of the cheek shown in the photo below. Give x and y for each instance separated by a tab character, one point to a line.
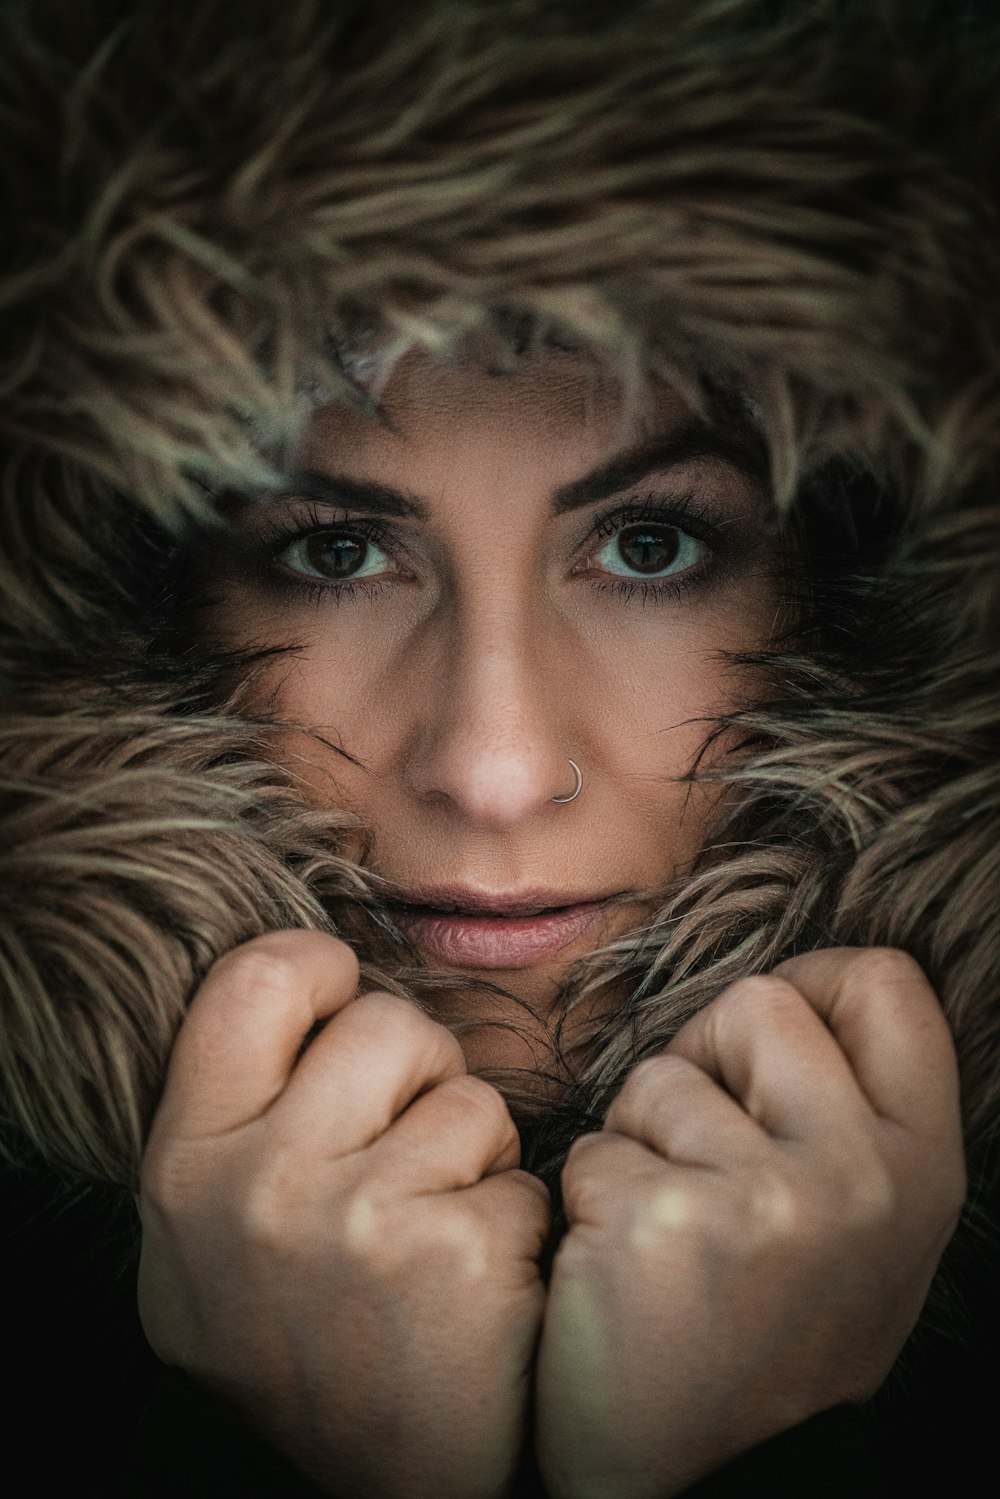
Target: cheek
660	677
358	691
654	693
339	669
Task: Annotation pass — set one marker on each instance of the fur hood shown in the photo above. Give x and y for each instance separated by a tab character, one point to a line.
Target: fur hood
795	200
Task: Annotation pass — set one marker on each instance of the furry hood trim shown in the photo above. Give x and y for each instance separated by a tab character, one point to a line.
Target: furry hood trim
798	201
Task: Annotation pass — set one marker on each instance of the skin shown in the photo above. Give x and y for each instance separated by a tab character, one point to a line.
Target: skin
342	1244
755	1229
498	643
339	1237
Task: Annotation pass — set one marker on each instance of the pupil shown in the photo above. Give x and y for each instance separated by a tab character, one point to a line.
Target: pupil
336	556
648	549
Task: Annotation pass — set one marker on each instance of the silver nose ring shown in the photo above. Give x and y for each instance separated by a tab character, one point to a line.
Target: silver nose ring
576	789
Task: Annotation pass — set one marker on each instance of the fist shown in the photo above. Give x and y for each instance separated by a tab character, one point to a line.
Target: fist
335	1235
754	1231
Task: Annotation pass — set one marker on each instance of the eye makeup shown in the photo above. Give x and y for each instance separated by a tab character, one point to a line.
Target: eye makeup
282	546
678	526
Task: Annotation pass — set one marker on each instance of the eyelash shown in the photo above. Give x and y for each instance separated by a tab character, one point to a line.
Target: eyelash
682	513
679	512
277	537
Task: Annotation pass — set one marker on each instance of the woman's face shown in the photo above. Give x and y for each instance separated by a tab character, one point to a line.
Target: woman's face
490	581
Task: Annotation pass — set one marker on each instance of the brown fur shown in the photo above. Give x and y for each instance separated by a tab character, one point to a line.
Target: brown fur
797	201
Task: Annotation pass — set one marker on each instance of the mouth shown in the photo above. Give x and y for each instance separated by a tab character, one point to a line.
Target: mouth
473	929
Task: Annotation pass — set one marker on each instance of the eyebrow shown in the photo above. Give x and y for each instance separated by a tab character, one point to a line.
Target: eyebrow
626	469
623	471
353	494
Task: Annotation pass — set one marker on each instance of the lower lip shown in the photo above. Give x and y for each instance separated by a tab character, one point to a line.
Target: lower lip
497	941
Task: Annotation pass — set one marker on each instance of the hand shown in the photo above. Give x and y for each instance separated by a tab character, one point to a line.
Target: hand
338	1239
754	1231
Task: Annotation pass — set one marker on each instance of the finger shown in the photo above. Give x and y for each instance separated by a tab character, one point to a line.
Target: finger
681	1112
604	1175
766	1045
888	1021
239	1042
515	1209
364	1068
450	1137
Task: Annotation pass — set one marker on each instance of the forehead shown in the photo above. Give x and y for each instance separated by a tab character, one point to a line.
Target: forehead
555	411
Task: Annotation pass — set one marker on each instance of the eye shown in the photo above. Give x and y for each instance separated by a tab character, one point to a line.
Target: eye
337	556
650	549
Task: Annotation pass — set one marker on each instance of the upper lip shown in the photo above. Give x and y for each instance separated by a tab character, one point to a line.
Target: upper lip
457	898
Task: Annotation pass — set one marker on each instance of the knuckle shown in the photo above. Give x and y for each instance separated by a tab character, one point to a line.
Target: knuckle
470	1245
763	998
648	1083
391	1013
774	1207
870	1208
268	1212
662	1212
169	1180
388	1242
656	1073
888	966
765	1214
273	962
444	1045
463	1248
364	1230
341	952
475	1110
876	1195
405	1022
267	964
475	1095
860	1191
584	1173
534	1202
577	1157
906	999
396	1021
760	1218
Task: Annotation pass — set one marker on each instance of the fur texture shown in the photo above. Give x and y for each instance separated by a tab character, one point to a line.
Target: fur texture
200	203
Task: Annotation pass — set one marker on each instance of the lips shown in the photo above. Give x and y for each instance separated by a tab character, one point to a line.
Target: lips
474	930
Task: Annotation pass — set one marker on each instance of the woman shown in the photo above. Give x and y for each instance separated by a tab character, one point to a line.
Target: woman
533	524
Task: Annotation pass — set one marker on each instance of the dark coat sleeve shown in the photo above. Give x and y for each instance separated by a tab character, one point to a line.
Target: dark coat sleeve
826	1457
190	1444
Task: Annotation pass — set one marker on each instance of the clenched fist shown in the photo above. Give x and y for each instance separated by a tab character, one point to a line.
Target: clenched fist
338	1239
753	1233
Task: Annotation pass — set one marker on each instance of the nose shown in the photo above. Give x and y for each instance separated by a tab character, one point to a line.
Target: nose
492	742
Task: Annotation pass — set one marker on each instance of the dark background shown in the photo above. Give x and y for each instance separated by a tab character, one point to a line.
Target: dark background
80	1374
